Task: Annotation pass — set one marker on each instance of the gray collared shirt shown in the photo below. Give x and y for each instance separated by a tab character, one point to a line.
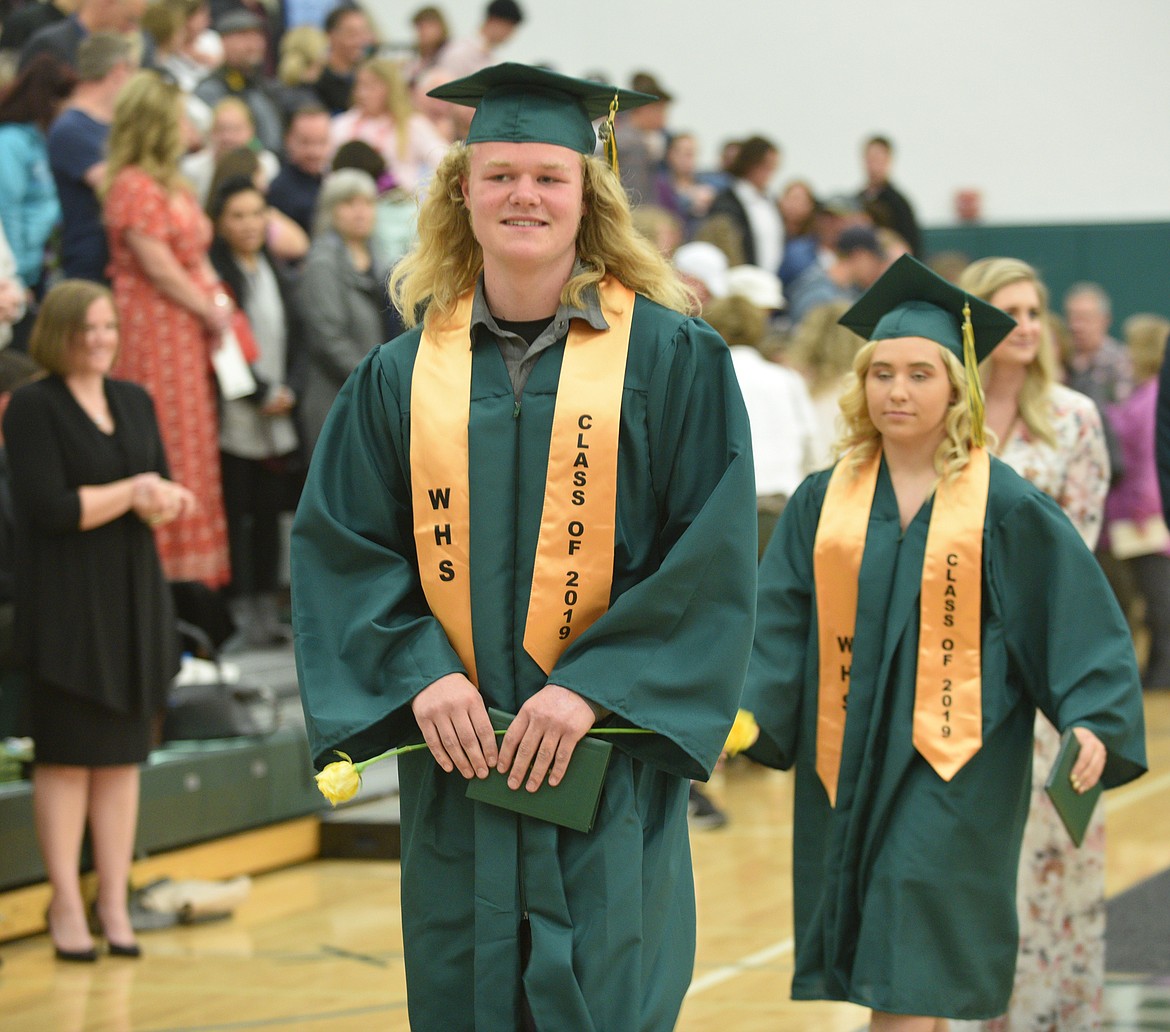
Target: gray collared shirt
519	355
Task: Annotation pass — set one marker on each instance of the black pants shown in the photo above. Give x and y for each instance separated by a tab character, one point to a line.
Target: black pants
255	493
1151	574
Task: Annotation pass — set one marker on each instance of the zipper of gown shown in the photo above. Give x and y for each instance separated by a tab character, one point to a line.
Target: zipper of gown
520	865
516	510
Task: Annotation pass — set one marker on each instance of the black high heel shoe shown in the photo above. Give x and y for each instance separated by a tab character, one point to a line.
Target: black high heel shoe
129	950
116	949
88	956
76	956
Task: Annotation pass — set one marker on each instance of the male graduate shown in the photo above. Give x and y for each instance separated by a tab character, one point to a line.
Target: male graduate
539	499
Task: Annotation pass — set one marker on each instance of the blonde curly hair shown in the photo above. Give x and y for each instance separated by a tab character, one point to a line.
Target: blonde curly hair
447	259
861	438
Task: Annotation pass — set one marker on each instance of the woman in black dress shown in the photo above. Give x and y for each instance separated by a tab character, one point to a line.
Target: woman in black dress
94	618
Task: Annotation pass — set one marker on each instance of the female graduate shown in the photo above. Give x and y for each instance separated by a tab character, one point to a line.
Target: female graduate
918	602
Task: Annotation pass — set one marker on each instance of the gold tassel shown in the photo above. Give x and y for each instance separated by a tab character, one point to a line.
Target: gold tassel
974	383
607	134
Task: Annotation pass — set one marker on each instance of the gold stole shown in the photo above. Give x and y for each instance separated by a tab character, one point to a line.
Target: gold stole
948	708
440	406
573	571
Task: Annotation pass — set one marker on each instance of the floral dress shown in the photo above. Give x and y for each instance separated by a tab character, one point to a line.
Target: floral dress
166	349
1060	968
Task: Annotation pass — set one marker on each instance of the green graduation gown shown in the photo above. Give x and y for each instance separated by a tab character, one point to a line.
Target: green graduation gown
611	912
905	892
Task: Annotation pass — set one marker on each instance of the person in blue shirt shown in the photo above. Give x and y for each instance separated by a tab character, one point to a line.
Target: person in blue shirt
29	209
77	143
306	156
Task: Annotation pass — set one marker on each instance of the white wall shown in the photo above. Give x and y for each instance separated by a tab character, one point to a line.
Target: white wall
1055	109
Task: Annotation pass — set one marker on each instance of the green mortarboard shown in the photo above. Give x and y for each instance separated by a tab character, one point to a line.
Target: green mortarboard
517	103
910	300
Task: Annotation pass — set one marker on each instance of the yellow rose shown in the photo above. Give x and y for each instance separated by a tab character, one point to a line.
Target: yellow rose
743	734
340	780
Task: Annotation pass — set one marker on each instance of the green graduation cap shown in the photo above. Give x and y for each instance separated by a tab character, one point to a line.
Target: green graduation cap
518	103
910	300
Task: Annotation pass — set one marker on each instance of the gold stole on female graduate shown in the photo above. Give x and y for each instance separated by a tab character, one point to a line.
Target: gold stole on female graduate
573	571
948	704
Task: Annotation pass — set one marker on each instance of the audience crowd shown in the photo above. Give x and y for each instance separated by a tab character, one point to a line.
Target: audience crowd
288	96
332	129
244	175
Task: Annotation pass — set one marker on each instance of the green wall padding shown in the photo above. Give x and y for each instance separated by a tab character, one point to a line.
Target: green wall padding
1130	260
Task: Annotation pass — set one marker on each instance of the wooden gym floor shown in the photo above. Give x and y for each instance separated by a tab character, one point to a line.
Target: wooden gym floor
318	946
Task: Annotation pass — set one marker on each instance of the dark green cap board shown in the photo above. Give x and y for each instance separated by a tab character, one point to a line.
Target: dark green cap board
910	300
516	103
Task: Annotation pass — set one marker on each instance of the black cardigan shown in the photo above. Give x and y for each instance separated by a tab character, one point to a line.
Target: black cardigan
93	612
229	272
726	203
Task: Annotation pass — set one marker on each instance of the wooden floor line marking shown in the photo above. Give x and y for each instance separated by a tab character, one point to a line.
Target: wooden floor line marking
364	958
748	963
1142	790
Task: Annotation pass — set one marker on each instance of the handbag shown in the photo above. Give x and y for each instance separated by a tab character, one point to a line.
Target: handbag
204	711
1129	539
207	701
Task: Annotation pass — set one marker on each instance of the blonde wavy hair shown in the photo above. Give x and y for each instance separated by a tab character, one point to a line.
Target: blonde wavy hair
1145	337
861	438
737	320
302	50
147	131
398	103
447	259
821	348
983	279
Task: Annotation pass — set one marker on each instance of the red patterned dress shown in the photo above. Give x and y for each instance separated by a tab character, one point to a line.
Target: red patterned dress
165	348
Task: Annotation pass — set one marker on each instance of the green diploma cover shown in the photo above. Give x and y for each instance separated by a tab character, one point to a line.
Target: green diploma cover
1075	808
572	804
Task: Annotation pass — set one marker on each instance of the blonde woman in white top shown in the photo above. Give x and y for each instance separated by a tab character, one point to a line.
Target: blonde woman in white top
383	116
